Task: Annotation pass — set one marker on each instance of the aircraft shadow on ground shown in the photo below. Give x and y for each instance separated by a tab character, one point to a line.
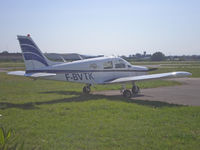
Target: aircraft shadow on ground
80	97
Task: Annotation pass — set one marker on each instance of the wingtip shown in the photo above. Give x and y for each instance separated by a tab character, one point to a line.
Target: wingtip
184	73
189	74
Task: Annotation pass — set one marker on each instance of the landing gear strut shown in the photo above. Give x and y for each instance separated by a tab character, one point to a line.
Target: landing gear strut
135	89
86	89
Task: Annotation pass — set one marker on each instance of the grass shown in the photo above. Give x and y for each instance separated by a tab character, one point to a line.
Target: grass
11	64
56	115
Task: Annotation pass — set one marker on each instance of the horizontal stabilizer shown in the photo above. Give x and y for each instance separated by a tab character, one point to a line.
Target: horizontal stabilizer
17	73
34	75
151	77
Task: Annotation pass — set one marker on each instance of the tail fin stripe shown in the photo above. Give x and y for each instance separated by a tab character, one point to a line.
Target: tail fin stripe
26	41
28	45
28	48
32	56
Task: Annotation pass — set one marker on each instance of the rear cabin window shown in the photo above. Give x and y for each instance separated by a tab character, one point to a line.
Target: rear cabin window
93	66
108	65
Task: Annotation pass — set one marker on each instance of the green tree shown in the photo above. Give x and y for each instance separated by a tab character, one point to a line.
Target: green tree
158	56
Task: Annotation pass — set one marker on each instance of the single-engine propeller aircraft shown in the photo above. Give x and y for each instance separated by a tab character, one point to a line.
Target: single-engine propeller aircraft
102	70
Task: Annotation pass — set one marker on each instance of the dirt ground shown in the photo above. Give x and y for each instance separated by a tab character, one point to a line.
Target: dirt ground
186	94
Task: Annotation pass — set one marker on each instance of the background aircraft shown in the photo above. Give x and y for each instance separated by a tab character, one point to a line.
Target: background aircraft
101	70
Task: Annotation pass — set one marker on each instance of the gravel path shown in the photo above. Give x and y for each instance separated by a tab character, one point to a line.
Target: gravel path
186	94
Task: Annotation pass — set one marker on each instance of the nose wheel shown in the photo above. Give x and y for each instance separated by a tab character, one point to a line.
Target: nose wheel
87	89
135	90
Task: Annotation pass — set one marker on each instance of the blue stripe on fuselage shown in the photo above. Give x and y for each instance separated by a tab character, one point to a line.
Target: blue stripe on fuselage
72	71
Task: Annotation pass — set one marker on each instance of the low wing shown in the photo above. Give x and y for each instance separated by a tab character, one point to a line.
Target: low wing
151	77
34	75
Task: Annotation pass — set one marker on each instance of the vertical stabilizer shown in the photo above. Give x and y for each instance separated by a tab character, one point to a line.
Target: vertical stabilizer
33	57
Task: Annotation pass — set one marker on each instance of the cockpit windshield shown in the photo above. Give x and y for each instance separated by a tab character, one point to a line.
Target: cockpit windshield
120	63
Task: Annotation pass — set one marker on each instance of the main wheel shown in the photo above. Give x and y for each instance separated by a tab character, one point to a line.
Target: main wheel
127	93
135	90
86	89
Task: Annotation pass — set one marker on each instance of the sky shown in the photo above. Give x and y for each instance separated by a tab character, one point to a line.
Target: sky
108	27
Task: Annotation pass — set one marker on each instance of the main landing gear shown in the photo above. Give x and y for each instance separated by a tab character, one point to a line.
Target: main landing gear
129	93
126	93
86	89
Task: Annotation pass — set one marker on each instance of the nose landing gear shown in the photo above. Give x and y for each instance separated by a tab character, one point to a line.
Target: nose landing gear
135	90
87	89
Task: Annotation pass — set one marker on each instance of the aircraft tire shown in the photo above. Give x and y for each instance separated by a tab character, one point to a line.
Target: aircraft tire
86	89
135	90
127	93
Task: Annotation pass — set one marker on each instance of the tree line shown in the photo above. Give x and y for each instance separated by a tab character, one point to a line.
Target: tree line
157	56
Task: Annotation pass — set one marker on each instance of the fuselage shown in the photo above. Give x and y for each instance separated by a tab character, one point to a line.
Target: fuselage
93	71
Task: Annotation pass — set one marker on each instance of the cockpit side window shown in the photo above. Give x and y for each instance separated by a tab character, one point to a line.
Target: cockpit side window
108	65
120	65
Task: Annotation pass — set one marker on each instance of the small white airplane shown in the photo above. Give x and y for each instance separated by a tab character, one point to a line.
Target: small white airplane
102	70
